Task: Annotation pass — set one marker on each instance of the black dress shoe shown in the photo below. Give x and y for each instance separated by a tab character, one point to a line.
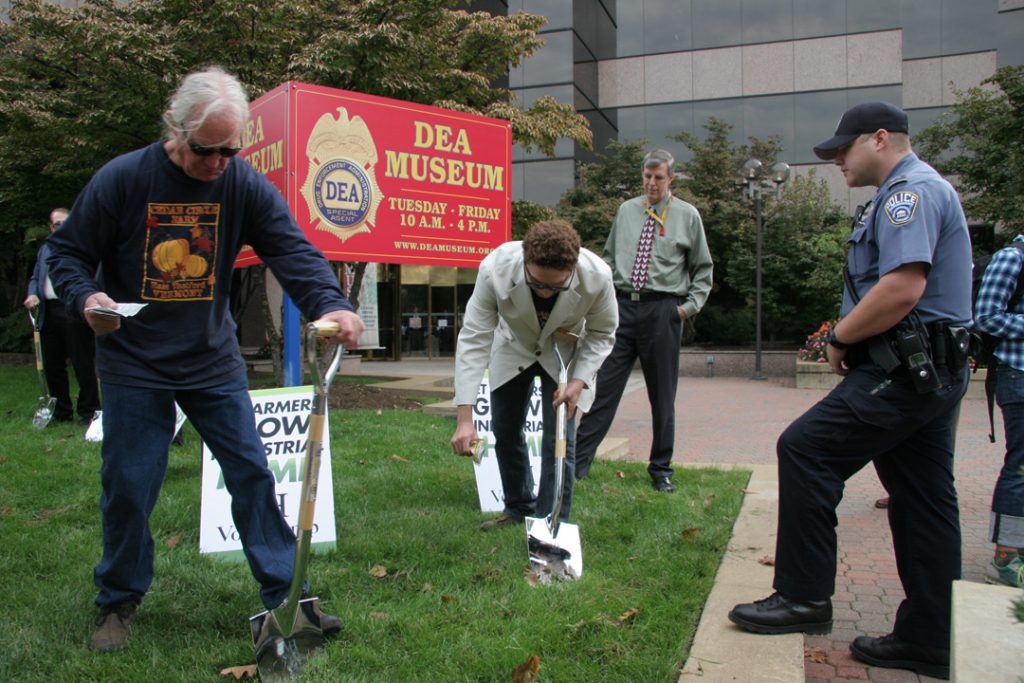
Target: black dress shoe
663	484
778	614
893	653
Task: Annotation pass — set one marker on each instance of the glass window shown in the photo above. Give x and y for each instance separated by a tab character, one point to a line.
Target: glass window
595	29
968	26
629	38
667	120
552	63
632	123
815	18
871	15
546	181
667	26
815	116
730	111
1011	47
922	29
717	23
767	21
764	117
558	12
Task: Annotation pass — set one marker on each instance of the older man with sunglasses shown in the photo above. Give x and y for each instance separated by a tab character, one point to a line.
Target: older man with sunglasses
164	224
525	292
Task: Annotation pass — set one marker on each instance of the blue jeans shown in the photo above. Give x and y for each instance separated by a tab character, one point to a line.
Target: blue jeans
1007	522
138	424
509	405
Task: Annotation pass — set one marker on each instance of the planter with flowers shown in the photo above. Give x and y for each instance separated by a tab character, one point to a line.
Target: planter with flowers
812	368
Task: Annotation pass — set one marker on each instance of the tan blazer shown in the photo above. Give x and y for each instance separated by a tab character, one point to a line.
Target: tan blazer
500	329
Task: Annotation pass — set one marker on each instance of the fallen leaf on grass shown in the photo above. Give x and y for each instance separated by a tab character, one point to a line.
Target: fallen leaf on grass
173	541
815	654
532	578
378	571
378	615
398	458
690	533
627	617
5	509
239	672
527	671
380	412
427	588
708	501
767	561
446	599
620	474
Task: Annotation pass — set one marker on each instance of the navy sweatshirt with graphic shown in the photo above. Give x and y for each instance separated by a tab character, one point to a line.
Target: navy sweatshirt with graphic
167	240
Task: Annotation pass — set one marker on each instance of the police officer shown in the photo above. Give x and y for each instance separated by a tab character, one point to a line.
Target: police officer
901	346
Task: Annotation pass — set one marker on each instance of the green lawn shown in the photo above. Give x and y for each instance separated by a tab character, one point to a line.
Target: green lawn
454	606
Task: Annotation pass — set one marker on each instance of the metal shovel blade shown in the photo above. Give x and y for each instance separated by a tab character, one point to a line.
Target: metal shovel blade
554	556
280	656
44	411
45	404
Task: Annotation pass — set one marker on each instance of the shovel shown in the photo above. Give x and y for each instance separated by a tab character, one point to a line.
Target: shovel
45	404
554	546
286	635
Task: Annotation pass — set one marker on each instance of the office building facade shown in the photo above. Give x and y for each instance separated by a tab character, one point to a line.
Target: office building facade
652	68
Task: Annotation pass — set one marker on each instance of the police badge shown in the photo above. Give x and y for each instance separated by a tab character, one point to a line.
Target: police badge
341	189
900	207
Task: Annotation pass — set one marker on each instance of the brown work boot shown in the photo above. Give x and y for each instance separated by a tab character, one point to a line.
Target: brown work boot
113	627
500	521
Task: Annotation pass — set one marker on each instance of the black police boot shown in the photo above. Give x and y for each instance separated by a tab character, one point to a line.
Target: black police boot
778	614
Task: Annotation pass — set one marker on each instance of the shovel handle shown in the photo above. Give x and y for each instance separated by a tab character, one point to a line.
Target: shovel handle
326	328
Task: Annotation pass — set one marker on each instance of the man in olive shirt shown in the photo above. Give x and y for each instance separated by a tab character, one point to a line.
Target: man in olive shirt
661	269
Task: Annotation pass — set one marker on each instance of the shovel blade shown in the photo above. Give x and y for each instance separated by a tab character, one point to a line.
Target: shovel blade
558	557
44	411
281	655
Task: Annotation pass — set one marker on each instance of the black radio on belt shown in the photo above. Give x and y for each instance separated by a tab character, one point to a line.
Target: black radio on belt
912	346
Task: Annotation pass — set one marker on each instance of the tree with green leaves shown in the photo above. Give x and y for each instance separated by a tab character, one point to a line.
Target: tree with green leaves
979	143
804	233
79	85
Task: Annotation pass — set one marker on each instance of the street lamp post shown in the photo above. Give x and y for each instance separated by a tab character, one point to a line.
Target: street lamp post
753	184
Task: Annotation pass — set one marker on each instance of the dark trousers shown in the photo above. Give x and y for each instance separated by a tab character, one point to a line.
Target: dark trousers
650	331
509	405
138	424
871	417
63	337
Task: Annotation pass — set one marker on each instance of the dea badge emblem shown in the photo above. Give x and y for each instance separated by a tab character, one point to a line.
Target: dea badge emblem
341	189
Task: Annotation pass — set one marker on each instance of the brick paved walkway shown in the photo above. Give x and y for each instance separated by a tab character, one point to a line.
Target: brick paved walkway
730	420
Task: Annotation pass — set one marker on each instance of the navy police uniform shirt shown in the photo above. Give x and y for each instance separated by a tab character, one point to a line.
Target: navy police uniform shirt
915	217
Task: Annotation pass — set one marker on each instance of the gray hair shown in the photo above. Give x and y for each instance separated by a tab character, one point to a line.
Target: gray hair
200	95
657	158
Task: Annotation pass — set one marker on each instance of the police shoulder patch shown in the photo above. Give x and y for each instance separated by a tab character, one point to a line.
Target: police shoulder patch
901	206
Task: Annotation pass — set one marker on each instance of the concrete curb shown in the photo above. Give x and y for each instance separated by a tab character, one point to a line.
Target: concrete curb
720	651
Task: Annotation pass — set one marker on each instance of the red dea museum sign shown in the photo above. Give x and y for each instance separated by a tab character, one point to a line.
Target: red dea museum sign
381	180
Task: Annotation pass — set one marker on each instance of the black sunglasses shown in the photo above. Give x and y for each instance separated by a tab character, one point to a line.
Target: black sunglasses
540	286
200	150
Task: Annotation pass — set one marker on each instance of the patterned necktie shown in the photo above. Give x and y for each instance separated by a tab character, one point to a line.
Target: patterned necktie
642	263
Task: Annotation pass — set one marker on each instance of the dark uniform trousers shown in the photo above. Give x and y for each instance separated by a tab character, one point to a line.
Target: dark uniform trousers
909	436
651	331
63	337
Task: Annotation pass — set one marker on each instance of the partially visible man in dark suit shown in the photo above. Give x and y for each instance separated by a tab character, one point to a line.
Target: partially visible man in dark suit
63	337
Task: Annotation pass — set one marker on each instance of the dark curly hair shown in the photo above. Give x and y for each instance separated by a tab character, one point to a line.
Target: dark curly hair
552	244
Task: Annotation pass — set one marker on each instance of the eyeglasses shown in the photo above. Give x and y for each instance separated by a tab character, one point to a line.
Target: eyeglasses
202	151
540	286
